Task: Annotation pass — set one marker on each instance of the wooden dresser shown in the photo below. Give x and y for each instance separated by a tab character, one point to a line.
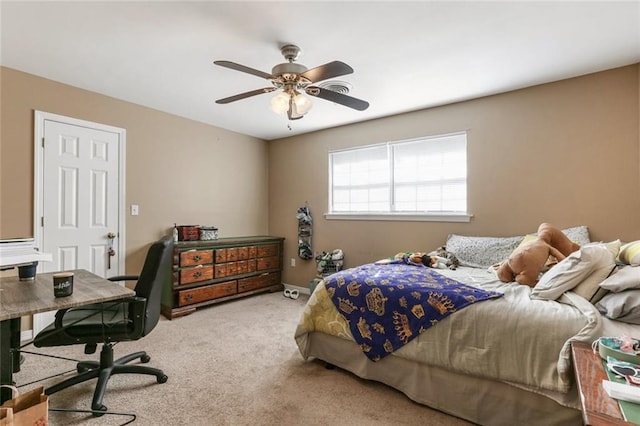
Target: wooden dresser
208	272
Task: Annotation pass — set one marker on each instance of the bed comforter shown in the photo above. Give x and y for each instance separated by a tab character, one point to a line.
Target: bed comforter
388	305
512	338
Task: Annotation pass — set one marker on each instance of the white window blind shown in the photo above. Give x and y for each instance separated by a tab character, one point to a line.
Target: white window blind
419	176
360	180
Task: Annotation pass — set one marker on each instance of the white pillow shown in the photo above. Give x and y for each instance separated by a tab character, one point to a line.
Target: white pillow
590	288
585	268
613	246
626	278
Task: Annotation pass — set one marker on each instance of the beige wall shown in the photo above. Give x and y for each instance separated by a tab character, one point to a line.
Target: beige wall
566	153
177	170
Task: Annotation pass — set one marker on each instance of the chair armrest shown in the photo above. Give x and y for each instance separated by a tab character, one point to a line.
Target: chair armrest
124	278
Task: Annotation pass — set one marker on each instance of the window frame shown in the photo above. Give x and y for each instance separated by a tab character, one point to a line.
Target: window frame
435	216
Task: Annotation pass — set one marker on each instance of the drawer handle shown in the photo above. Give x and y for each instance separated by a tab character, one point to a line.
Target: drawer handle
197	274
197	258
188	296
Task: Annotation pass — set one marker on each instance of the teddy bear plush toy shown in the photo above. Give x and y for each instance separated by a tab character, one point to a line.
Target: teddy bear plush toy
527	261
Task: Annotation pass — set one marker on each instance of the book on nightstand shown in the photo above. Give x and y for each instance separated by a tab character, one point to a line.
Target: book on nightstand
630	410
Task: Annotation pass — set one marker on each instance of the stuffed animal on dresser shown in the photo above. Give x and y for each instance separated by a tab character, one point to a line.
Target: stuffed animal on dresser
529	259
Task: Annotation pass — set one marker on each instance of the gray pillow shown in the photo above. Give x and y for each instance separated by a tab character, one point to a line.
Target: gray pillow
626	278
578	234
623	306
481	252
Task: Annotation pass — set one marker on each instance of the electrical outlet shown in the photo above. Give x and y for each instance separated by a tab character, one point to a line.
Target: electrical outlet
293	262
134	209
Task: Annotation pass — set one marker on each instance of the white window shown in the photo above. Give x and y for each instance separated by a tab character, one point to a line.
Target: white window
423	179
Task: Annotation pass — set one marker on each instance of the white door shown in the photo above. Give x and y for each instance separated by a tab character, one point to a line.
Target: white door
80	196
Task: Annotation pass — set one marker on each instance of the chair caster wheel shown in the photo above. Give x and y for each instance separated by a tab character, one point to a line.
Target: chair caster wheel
96	412
145	359
163	378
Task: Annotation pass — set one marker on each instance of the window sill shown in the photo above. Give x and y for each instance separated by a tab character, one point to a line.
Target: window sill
404	217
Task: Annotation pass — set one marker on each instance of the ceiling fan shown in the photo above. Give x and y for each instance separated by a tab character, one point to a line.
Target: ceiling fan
292	79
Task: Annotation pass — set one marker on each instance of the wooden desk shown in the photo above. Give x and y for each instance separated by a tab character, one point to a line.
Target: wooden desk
598	408
21	298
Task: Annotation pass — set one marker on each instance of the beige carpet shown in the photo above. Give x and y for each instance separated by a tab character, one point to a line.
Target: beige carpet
230	364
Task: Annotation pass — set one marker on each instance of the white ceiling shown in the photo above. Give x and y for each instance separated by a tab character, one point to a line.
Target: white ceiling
406	55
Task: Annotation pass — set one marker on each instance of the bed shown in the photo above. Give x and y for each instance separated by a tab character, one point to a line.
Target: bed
503	360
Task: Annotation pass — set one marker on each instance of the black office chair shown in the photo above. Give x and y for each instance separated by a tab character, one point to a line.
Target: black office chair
112	322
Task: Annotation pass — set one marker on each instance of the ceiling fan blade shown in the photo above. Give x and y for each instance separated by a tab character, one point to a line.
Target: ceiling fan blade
326	71
338	98
245	95
242	68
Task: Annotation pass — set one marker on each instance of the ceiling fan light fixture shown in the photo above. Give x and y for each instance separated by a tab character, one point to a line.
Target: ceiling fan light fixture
302	104
291	103
280	103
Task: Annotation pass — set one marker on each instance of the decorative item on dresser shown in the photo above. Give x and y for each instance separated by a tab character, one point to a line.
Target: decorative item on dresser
209	272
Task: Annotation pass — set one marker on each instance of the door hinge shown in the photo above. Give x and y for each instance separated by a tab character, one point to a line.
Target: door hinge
43	142
42	221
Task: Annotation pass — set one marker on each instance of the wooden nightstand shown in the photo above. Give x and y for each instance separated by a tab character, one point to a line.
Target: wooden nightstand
598	408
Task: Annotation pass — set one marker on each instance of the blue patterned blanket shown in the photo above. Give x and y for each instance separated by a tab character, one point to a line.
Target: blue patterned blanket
388	305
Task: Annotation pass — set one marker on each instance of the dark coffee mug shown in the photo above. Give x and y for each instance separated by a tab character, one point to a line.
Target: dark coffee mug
63	284
28	272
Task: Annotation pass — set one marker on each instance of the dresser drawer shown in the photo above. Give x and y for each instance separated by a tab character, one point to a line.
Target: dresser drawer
194	275
207	292
263	263
220	270
196	257
267	250
243	268
221	255
243	253
253	283
232	268
232	254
